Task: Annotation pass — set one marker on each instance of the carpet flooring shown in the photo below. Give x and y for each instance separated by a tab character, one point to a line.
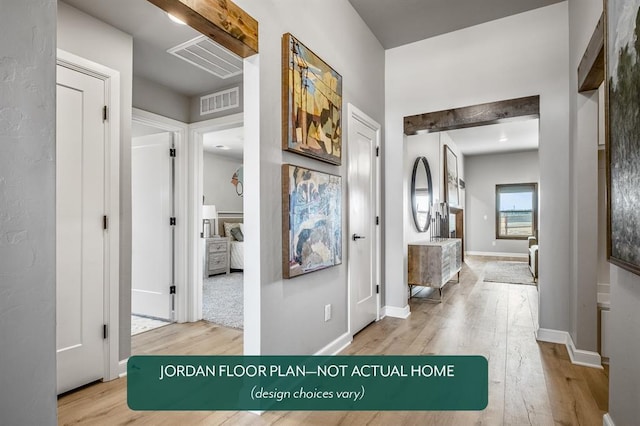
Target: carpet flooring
140	324
223	300
508	272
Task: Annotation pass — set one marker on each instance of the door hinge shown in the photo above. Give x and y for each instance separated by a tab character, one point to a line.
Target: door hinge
172	289
378	289
105	222
172	221
377	220
377	151
172	152
104	331
105	113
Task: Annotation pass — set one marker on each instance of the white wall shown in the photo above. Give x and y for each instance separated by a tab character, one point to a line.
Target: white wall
424	145
484	172
27	213
85	36
194	105
584	183
291	312
624	374
521	55
158	99
217	186
431	146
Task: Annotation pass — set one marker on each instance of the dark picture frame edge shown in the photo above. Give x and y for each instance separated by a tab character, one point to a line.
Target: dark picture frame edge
624	264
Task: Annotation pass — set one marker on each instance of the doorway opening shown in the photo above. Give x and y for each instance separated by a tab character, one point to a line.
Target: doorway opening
223	226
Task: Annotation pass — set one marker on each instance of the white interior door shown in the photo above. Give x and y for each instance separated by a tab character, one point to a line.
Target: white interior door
362	222
152	238
80	206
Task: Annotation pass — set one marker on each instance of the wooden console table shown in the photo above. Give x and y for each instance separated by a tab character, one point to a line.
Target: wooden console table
434	263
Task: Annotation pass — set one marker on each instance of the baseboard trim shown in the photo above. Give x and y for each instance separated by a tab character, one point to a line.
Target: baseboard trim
337	345
122	368
577	356
496	254
607	420
394	312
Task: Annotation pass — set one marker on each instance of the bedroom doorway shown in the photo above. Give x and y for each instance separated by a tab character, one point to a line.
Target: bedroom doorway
223	185
220	274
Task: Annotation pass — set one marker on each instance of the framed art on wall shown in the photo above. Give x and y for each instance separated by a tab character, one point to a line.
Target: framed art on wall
311	104
451	177
311	220
623	142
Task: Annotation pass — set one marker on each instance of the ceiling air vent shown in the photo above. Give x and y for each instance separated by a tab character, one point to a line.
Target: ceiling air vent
220	101
209	56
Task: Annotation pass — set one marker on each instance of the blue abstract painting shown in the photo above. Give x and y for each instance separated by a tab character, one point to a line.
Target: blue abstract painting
312	220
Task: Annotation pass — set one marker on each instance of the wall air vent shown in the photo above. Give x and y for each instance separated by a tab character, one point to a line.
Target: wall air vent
220	101
209	56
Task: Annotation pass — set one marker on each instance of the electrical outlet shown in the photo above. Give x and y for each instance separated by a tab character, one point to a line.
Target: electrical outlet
493	243
327	312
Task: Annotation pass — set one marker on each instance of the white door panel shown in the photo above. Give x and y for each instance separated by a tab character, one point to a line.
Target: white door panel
151	208
80	139
362	225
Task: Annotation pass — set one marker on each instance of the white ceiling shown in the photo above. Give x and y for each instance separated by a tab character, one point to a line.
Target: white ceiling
153	33
231	138
398	22
497	138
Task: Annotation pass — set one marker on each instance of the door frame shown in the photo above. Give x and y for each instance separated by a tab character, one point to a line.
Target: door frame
181	190
355	114
196	191
111	283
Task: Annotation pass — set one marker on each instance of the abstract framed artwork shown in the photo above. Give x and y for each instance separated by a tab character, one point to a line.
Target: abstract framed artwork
623	129
311	220
451	177
311	104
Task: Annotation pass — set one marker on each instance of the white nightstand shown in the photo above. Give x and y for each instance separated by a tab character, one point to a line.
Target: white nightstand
216	256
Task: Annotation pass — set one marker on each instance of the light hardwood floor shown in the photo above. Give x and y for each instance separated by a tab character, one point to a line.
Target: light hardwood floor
530	383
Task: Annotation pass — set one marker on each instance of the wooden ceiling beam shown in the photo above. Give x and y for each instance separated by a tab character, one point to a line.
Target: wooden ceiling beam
221	20
591	68
473	116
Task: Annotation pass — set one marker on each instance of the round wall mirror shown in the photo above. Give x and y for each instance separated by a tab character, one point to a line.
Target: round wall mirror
421	194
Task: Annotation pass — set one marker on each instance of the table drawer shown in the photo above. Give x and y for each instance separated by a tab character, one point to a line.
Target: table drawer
218	247
217	261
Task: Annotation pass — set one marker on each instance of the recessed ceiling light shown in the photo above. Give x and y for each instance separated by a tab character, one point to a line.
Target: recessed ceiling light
175	19
222	147
503	139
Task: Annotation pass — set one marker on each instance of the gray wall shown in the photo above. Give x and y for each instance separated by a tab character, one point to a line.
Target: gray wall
484	172
603	263
27	213
194	105
291	319
153	97
624	374
217	187
521	55
83	35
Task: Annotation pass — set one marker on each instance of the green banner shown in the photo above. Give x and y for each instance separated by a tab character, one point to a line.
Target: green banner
307	383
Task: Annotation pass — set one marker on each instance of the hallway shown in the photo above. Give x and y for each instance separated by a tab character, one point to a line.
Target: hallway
529	382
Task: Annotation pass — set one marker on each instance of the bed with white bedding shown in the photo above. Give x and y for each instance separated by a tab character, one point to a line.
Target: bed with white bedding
233	228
